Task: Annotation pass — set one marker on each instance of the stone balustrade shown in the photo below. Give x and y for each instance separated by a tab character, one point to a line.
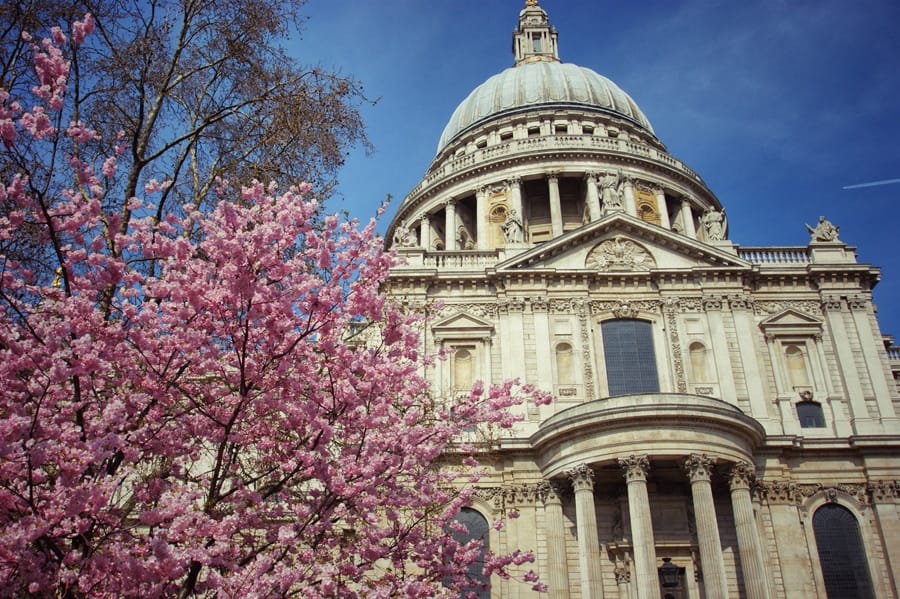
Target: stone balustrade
454	166
775	255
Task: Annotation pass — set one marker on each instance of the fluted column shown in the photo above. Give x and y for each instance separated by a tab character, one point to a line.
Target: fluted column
645	575
450	226
582	479
425	232
592	197
699	470
556	225
558	571
749	547
481	219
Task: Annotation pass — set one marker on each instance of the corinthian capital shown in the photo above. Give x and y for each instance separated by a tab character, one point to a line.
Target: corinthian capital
635	467
698	466
582	478
741	476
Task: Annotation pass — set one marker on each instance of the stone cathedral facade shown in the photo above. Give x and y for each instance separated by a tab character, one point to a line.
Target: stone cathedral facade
726	417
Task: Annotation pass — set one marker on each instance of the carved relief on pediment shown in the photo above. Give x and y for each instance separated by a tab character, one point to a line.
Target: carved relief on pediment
619	254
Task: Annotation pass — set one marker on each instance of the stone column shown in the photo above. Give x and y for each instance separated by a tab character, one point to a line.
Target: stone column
450	226
582	479
425	232
662	209
687	218
592	197
699	468
628	197
556	226
481	219
749	547
515	197
645	574
557	567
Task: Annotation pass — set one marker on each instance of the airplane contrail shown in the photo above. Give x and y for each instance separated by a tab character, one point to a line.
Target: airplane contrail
872	184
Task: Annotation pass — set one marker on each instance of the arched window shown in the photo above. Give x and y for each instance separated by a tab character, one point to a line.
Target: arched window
629	355
798	376
842	556
476	527
565	367
697	353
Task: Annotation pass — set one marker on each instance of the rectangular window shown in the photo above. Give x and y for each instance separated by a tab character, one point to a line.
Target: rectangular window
630	357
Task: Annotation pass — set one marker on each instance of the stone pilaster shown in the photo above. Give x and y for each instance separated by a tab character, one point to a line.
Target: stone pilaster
582	479
741	478
635	468
699	469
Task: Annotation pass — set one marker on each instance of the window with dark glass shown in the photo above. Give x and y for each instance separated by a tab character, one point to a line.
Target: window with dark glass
629	355
842	556
476	529
810	414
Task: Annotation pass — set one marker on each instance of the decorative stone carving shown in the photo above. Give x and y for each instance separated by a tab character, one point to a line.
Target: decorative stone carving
698	466
858	303
540	303
624	310
598	307
884	490
671	304
582	477
824	231
832	303
623	575
513	232
712	303
404	236
740	302
618	255
635	467
742	476
588	366
551	491
611	185
770	307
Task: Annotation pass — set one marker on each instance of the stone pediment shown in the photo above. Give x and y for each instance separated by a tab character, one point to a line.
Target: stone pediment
791	322
621	243
462	326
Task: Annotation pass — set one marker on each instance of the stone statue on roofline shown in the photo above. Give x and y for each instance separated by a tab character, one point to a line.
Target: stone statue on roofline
404	236
823	231
715	223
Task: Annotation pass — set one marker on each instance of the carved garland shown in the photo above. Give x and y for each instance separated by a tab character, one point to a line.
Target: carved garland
675	343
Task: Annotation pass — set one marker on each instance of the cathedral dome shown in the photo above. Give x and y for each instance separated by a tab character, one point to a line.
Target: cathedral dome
537	84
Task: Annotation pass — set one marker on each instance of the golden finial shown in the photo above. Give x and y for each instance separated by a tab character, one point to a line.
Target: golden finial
57	280
531	3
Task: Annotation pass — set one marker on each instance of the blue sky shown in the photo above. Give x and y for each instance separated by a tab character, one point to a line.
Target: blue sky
778	104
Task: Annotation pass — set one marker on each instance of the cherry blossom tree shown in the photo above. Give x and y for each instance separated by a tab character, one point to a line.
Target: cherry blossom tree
247	418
